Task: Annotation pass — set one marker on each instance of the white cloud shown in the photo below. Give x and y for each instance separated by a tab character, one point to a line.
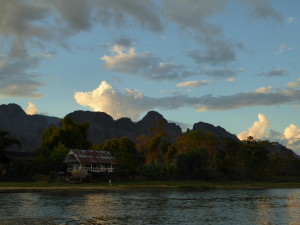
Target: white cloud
290	19
127	60
283	48
193	83
292	132
264	90
290	137
231	79
31	109
258	129
106	99
294	84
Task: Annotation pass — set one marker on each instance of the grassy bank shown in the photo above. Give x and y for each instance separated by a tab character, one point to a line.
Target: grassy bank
142	185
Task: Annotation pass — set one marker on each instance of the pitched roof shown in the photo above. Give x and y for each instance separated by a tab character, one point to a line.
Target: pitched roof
90	157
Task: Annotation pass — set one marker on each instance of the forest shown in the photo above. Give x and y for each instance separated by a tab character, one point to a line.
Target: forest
194	155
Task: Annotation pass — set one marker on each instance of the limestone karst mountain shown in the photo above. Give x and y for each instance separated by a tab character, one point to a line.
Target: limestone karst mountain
29	128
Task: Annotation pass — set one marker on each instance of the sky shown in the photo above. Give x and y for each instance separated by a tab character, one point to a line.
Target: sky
231	63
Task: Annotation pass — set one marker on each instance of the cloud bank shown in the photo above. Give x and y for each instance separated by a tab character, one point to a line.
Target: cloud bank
132	103
16	78
43	25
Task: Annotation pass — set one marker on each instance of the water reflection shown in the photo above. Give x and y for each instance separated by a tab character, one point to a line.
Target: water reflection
263	207
293	209
153	207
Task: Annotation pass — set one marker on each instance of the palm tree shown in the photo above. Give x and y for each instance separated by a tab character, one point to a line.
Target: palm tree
5	142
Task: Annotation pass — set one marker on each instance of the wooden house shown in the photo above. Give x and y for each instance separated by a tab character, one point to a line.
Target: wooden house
83	162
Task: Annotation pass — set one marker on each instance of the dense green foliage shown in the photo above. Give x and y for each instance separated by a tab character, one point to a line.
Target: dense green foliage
56	142
195	155
125	153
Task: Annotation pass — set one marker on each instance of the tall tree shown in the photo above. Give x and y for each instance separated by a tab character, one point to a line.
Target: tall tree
154	146
125	152
70	134
57	140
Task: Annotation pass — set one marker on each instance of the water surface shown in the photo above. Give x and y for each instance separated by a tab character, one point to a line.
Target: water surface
276	206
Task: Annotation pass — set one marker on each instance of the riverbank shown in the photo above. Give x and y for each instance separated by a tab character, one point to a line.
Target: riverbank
6	187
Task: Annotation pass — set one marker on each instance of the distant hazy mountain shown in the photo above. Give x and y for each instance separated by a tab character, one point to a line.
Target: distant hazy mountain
29	128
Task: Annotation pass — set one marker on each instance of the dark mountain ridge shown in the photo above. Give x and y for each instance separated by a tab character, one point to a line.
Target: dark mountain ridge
29	128
26	128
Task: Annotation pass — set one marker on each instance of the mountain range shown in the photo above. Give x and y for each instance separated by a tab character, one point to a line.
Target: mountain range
29	128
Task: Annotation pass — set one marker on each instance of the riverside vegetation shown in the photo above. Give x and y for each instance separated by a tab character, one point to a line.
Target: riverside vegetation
195	155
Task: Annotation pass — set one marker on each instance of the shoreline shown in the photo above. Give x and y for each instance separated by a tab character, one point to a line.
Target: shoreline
15	187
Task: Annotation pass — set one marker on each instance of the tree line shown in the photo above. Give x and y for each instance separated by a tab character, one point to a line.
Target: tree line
194	155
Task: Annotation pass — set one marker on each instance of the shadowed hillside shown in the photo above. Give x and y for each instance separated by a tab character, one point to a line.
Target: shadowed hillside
29	128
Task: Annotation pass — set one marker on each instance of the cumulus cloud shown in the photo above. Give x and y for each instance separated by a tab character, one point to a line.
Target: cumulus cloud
117	104
292	134
290	137
193	83
258	129
127	60
274	73
283	48
31	109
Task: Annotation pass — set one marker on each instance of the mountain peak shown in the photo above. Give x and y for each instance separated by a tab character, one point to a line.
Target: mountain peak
153	115
218	131
12	109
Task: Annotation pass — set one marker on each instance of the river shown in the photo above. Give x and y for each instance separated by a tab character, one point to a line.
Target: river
274	206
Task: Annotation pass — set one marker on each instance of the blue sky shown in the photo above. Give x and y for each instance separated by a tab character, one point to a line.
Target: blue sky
231	63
